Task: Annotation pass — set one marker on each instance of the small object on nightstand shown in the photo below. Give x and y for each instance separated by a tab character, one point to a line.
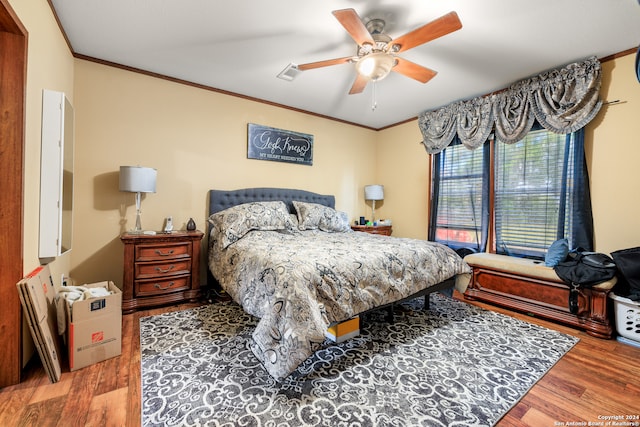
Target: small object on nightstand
168	225
191	224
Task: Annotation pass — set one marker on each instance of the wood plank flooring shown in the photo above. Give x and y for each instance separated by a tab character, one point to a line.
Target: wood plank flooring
596	379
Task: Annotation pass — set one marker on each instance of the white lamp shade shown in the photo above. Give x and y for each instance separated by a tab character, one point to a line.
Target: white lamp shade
374	192
375	66
137	179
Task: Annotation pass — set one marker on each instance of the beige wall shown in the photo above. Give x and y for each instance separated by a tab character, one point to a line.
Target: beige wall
197	140
613	153
613	159
50	65
403	168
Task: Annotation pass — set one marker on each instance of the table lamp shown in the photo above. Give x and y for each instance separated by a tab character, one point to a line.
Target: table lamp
137	179
373	193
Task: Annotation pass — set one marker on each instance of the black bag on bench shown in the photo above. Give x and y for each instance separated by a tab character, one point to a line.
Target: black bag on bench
628	264
584	269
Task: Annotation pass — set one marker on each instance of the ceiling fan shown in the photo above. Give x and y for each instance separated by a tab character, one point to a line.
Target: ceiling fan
376	55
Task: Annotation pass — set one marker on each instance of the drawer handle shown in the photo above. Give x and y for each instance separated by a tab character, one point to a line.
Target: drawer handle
158	286
165	270
159	252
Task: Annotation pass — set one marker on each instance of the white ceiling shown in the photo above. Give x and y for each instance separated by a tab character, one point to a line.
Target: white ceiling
240	46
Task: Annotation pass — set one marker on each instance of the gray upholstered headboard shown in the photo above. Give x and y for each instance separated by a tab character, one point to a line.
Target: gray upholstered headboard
223	199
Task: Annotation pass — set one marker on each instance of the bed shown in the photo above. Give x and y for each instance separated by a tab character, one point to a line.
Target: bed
290	259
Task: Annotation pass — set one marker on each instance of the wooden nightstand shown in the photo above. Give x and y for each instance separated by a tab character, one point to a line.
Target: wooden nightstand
385	230
160	269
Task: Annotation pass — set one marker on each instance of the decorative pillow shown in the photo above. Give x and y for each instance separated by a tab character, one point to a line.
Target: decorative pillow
233	223
312	216
556	253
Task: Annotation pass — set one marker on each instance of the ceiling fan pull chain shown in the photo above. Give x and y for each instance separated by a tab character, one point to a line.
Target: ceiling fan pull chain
374	102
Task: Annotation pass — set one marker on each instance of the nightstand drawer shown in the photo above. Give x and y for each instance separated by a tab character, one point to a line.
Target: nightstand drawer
162	286
159	251
174	267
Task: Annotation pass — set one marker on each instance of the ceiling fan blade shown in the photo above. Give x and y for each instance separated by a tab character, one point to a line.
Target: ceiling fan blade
414	71
437	28
359	84
326	63
354	26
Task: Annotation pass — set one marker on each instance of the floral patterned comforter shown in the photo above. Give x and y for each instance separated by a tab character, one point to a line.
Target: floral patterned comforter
299	283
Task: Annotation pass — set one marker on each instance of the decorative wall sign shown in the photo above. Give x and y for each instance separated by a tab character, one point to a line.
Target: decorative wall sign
266	143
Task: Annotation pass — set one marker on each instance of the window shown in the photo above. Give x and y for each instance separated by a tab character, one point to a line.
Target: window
459	198
518	197
530	190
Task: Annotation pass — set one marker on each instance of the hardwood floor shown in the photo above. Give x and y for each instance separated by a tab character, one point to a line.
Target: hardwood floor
596	379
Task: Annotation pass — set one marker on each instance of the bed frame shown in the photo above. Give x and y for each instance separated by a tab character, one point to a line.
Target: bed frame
223	199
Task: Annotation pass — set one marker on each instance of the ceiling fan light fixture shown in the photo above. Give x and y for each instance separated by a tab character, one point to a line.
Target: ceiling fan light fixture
375	66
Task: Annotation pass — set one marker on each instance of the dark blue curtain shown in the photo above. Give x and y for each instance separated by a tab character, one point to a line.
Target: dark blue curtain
436	174
582	236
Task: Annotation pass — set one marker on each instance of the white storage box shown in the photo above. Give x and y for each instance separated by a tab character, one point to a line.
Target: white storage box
627	317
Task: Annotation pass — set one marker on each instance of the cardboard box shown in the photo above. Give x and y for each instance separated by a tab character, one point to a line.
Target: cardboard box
94	328
340	332
37	294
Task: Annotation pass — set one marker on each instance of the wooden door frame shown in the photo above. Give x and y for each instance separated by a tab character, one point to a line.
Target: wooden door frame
13	69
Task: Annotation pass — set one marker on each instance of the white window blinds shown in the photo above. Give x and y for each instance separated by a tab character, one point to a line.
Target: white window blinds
531	188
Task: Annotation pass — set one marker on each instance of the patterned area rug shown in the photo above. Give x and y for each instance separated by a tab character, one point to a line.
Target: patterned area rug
454	365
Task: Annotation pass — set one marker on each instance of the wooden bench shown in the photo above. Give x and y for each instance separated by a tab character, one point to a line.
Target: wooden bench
531	287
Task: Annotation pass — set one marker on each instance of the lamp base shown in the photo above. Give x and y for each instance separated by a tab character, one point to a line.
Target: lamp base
138	227
373	211
138	221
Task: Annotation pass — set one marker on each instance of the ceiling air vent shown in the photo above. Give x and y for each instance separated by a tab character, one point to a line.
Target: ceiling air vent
289	73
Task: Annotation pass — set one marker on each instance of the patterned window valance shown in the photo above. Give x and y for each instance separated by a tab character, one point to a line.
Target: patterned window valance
561	100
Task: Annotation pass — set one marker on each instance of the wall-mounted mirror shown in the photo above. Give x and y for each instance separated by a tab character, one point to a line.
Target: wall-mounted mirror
56	175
